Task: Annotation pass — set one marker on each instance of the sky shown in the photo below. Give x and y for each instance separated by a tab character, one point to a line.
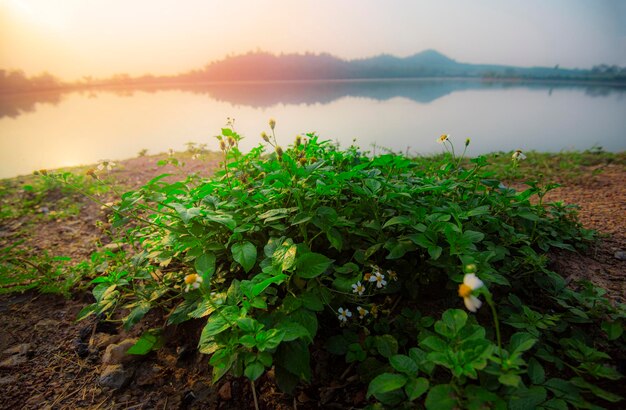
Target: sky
76	38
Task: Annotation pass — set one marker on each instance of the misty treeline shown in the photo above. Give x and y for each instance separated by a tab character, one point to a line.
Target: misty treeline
16	80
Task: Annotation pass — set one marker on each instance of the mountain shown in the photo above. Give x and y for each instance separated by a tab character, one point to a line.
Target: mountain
260	66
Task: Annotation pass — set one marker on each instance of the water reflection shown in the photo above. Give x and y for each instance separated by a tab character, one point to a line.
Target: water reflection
267	94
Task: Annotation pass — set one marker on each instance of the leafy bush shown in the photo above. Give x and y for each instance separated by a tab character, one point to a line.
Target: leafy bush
314	246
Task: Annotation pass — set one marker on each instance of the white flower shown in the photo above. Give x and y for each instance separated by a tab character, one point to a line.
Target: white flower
192	281
443	138
362	312
358	288
470	283
105	164
518	155
344	314
379	278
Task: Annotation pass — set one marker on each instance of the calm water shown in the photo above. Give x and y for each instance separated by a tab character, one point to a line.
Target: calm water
55	130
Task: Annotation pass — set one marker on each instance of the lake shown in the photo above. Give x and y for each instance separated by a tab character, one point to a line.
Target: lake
52	130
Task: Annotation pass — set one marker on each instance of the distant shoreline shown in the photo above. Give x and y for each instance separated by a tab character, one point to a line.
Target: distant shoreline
171	84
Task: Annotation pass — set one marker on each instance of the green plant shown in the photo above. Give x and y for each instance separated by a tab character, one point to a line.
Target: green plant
279	251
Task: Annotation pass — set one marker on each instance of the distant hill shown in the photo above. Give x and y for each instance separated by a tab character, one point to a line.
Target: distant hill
260	66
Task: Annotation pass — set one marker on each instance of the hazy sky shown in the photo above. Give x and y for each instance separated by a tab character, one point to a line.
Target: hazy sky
72	38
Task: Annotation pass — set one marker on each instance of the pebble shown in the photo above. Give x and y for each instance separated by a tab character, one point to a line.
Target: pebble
225	392
621	255
116	353
115	376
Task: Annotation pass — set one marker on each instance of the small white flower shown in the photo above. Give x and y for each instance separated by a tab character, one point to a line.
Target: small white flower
105	164
358	288
470	283
362	312
344	314
193	281
379	278
443	138
518	155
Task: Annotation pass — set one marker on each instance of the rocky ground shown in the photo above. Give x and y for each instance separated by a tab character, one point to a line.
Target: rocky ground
50	361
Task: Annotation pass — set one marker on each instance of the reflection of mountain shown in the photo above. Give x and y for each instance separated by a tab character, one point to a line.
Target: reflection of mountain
266	94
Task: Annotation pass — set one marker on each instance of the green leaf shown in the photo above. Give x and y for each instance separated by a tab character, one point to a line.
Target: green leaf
481	210
136	314
293	331
398	220
414	388
613	329
185	214
521	342
249	325
335	239
254	370
434	343
387	345
474	236
452	321
219	321
510	379
205	266
441	397
536	372
385	383
435	252
311	265
597	391
258	288
294	357
149	340
527	399
285	255
245	254
404	364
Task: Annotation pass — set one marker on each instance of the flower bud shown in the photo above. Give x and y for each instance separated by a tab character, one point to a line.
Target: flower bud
272	123
222	145
303	161
467	142
279	152
298	140
43	172
265	137
231	141
470	268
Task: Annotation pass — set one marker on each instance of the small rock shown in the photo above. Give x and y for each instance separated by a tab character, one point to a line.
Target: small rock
13	361
116	353
115	376
201	390
225	392
18	349
621	255
45	324
102	340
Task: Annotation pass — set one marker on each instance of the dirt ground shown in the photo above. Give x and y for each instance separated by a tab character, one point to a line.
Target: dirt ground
50	361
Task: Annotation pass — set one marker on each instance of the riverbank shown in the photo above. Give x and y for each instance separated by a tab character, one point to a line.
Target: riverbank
57	362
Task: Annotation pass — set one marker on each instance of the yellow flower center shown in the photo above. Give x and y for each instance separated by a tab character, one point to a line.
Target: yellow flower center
189	279
464	290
